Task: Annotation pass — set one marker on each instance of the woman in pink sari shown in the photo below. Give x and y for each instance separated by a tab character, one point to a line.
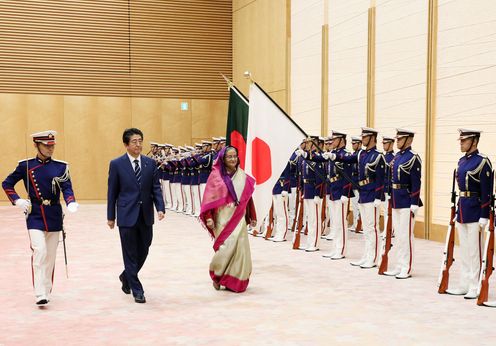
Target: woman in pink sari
226	210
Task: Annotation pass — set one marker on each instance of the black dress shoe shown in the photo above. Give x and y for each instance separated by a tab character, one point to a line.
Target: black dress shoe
42	302
125	286
140	299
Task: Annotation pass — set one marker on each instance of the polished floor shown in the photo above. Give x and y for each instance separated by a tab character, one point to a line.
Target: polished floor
294	298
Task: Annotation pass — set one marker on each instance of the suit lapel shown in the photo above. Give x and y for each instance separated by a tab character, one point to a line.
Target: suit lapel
128	167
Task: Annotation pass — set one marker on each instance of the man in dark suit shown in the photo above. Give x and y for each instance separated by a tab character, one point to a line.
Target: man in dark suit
133	188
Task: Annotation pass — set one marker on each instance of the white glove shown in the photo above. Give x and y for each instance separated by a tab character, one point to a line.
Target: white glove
316	199
24	204
414	209
298	152
377	202
344	199
284	193
483	222
73	207
330	156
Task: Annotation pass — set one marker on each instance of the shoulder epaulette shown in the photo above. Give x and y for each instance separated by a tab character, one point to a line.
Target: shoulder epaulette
31	158
60	161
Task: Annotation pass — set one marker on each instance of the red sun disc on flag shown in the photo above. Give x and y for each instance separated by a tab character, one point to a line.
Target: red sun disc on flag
239	143
261	161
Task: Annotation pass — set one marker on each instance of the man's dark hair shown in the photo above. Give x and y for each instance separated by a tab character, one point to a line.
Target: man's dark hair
128	133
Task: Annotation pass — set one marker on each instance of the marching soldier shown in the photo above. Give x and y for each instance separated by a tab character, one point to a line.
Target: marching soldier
293	176
387	145
339	194
371	169
186	180
356	144
44	179
406	170
313	190
473	178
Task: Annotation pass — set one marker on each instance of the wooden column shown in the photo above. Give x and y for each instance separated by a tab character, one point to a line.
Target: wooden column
324	103
430	113
371	66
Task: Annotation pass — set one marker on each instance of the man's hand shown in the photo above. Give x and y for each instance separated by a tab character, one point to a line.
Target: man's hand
111	223
414	209
377	203
483	222
210	223
253	223
161	215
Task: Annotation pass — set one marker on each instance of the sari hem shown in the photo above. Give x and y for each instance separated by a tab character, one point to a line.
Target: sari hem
230	282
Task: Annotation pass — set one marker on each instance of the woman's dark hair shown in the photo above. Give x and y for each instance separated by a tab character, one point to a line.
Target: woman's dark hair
128	133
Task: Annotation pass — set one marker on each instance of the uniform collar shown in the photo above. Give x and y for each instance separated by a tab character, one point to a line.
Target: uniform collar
45	161
472	154
406	149
371	149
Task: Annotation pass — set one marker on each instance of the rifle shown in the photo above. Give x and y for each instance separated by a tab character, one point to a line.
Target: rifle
297	208
270	227
297	233
323	216
386	243
450	244
487	263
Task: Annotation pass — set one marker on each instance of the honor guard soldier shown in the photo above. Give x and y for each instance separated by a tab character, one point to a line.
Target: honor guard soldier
216	146
387	145
44	179
167	170
293	180
473	178
280	194
356	144
195	180
371	170
205	161
340	192
175	181
313	190
406	172
186	180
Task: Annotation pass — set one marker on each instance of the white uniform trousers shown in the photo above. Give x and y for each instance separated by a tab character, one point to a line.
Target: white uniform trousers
167	193
370	224
329	234
177	197
339	226
187	198
292	203
313	211
355	209
195	200
470	254
384	206
202	191
281	219
403	224
44	247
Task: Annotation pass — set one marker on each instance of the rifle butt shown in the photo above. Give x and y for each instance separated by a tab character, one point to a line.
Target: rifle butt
483	295
443	286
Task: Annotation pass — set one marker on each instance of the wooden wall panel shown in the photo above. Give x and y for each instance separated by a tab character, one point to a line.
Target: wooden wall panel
176	124
209	118
146	115
147	48
260	45
45	112
93	131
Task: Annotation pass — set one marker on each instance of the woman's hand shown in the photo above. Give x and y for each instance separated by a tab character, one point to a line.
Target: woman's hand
210	223
253	223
